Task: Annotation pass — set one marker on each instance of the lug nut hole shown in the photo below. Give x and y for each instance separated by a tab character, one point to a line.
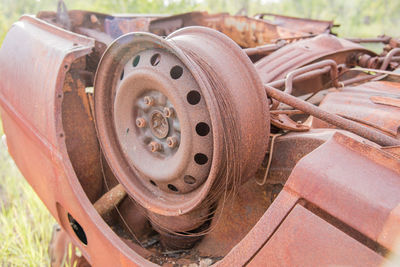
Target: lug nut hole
136	61
193	97
172	188
202	129
176	72
155	59
200	158
189	179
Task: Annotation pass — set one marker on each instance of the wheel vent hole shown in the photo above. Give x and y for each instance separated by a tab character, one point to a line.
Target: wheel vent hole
136	61
78	230
189	179
155	59
176	72
193	97
200	158
172	188
202	129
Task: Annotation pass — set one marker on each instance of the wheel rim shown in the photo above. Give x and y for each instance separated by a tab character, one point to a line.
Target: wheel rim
251	130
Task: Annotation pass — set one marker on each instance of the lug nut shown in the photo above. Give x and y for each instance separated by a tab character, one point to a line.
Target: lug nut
149	100
168	112
140	122
155	146
172	141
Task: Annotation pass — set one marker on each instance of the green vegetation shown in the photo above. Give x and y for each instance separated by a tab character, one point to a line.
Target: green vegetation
359	18
25	223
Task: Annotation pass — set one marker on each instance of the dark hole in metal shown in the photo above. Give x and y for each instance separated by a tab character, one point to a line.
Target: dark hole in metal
189	179
155	59
200	158
172	188
202	129
176	72
193	97
153	183
136	61
78	230
122	75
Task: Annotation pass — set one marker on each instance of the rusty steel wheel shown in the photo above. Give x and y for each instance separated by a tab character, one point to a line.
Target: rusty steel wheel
175	115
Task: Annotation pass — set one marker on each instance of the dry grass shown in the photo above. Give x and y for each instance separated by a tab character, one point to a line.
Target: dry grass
25	223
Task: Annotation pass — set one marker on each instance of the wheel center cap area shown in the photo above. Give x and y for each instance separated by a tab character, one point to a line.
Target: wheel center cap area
159	125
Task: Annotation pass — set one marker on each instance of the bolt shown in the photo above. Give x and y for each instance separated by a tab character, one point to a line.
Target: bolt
149	100
172	141
168	112
140	122
155	146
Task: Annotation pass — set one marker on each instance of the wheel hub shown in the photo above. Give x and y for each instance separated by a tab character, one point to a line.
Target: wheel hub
156	124
159	125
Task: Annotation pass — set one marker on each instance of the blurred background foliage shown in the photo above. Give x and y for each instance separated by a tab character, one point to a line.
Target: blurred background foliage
359	18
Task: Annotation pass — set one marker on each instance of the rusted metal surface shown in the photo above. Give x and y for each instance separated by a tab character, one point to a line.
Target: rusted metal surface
380	39
98	23
245	31
386	101
264	50
373	187
321	240
281	119
389	57
324	63
33	124
324	46
331	118
249	246
308	26
328	193
373	102
233	216
152	150
291	147
109	200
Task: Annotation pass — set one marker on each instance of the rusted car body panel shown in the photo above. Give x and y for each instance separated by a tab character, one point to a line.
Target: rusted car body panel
359	104
36	139
306	198
324	195
309	26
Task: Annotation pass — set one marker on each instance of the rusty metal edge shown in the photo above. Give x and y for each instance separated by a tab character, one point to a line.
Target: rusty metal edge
59	157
